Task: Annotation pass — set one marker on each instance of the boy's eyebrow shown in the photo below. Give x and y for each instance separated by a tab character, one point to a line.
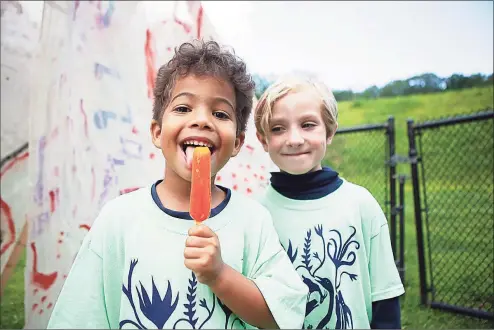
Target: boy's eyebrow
277	120
282	120
217	98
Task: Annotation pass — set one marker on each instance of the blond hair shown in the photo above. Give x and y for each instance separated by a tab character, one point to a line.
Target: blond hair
264	108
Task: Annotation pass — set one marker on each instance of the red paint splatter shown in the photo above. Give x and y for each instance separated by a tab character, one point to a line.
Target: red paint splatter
49	305
128	190
34	307
248	166
246	180
234	175
40	311
249	147
134	130
13	162
169	49
41	280
261	178
5	209
199	21
62	233
43	299
186	26
218	178
35	291
65	276
52	201
255	175
151	155
235	187
84	226
249	190
85	118
150	60
262	167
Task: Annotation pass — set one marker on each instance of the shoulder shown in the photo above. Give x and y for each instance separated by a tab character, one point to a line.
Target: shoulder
358	194
127	202
117	210
250	207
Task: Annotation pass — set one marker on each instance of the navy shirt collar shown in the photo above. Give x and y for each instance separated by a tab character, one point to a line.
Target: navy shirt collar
185	215
308	186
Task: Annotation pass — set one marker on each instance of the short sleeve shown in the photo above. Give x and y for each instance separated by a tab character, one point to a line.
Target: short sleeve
385	280
279	283
81	303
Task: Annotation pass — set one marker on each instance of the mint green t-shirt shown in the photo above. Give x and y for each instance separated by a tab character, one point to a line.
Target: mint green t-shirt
340	246
129	272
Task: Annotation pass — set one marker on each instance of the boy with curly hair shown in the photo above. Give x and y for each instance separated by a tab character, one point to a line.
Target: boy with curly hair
334	231
144	264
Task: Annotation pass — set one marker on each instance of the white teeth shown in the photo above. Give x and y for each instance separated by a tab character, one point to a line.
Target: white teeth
198	143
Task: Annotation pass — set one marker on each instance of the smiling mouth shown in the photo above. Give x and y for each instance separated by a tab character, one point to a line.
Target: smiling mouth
196	143
297	154
188	146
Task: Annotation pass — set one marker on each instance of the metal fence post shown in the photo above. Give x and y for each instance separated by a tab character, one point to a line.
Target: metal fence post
401	250
418	210
392	181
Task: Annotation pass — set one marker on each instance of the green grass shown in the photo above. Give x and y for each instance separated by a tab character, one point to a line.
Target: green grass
12	301
361	162
458	167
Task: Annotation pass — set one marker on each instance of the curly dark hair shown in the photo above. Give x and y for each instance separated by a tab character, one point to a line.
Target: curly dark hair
205	58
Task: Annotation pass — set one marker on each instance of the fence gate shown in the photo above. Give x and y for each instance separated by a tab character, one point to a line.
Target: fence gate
452	163
365	155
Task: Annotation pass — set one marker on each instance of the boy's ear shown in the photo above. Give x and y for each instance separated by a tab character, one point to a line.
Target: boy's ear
262	139
329	139
239	142
156	133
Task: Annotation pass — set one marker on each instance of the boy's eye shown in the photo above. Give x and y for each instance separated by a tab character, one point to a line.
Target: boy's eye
308	125
182	109
221	115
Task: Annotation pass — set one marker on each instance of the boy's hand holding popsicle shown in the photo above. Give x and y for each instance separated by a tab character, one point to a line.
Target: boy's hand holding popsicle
202	247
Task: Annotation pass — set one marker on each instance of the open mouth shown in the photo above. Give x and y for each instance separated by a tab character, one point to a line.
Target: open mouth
188	146
196	143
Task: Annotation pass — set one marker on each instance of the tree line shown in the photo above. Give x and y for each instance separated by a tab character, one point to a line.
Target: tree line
420	84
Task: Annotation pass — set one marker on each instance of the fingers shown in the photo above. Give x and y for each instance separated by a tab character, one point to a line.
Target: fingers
193	253
208	252
196	241
201	231
195	264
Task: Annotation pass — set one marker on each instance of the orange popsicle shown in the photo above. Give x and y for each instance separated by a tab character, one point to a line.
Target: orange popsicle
200	192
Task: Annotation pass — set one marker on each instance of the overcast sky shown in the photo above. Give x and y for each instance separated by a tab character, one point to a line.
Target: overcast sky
356	44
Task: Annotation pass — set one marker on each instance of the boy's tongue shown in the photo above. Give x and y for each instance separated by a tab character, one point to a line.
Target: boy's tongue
189	152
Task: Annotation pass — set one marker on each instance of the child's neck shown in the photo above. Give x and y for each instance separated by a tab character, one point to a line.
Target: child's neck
174	192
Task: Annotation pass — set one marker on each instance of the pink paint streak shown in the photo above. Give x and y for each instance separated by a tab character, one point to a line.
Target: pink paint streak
85	118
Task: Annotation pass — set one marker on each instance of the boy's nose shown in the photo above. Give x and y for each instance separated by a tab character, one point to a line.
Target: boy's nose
201	120
295	139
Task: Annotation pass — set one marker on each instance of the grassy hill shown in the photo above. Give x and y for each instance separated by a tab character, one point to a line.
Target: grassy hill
359	158
358	163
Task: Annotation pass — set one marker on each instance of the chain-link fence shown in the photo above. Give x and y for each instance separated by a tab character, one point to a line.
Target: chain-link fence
452	175
361	154
364	155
